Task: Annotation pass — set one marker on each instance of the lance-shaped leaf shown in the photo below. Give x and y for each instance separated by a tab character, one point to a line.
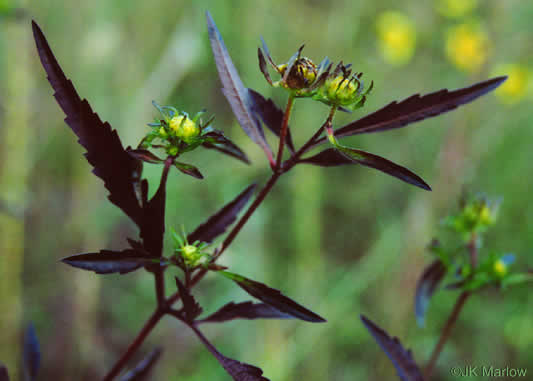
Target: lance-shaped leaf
189	169
332	157
109	262
239	371
416	108
105	152
144	155
245	310
4	375
271	115
142	371
31	354
274	298
234	91
153	227
190	305
219	222
216	140
426	286
401	358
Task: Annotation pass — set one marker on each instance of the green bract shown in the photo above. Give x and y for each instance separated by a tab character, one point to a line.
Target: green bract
189	255
343	89
176	131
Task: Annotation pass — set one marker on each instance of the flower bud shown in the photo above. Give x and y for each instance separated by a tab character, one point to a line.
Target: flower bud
301	75
184	128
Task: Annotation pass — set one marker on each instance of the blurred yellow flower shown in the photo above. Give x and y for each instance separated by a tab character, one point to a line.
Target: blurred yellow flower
397	37
456	8
517	85
499	267
467	46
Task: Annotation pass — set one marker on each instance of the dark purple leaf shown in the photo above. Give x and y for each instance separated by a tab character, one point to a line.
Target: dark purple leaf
145	155
221	143
109	262
271	115
31	353
401	358
219	222
153	227
189	169
142	371
119	171
333	157
263	66
416	108
233	89
190	305
426	286
245	310
274	298
4	375
236	369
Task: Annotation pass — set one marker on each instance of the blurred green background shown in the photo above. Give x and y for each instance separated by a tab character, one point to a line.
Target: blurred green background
342	241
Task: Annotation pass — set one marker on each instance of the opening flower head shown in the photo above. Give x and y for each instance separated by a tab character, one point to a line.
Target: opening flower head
300	75
342	88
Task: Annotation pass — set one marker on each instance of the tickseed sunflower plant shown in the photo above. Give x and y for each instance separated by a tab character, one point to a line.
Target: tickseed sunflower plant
336	87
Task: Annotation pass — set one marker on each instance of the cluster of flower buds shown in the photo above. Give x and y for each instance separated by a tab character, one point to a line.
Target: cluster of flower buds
176	132
303	79
476	215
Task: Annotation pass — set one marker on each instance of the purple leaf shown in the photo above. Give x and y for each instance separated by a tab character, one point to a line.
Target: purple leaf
416	108
236	369
401	358
144	155
234	90
333	157
119	171
426	286
190	305
153	227
4	375
274	298
219	142
219	222
189	169
143	369
31	353
109	262
271	115
245	310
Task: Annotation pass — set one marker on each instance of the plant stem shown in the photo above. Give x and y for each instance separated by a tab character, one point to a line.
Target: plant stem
473	249
445	333
134	346
283	132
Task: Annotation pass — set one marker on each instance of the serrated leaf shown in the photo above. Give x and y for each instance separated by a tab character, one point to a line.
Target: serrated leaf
219	222
189	169
4	375
190	305
344	155
234	90
426	286
105	152
402	359
145	155
245	310
31	354
416	108
108	261
239	371
274	298
271	115
143	369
